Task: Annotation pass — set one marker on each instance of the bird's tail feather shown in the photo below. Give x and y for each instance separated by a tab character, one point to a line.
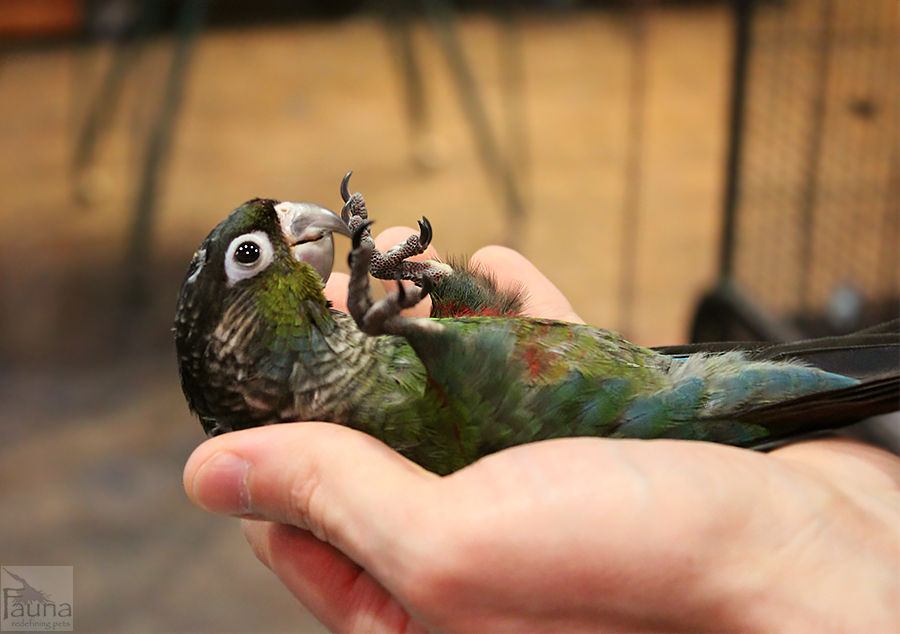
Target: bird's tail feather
829	410
872	356
870	353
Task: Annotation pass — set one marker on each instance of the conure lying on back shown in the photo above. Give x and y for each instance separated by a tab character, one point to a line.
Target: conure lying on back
258	343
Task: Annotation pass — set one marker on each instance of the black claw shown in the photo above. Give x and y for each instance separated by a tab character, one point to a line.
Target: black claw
425	233
345	187
345	212
401	293
360	230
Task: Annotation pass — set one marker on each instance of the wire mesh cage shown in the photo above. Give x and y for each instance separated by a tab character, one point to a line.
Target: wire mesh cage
812	228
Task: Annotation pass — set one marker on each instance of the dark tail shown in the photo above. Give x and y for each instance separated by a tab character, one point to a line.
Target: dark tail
872	356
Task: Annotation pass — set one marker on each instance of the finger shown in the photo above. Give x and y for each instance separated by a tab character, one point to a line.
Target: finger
345	487
543	299
392	237
337	591
311	569
336	291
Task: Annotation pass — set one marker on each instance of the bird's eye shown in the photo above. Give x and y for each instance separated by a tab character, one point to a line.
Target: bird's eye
247	255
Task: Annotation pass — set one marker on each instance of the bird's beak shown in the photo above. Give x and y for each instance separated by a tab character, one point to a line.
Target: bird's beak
308	230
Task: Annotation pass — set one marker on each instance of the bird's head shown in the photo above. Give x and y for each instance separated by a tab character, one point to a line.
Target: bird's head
263	244
261	233
255	279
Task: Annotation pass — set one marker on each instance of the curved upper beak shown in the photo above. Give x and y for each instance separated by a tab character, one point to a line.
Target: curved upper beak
308	230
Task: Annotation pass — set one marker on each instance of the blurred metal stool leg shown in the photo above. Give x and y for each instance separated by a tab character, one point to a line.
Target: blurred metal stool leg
128	37
190	22
128	32
499	165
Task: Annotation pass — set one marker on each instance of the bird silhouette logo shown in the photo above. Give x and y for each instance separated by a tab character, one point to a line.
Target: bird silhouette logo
33	608
25	595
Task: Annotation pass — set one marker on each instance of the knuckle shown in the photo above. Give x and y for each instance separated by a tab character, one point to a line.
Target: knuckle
305	505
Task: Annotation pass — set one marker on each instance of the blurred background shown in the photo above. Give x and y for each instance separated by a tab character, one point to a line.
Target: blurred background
680	170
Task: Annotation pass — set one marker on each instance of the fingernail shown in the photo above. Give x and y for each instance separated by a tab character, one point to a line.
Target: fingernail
220	485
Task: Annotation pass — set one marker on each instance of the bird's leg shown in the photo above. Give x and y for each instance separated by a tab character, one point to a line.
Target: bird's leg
382	317
359	295
393	264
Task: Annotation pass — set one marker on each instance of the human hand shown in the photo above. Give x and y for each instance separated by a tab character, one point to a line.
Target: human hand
572	534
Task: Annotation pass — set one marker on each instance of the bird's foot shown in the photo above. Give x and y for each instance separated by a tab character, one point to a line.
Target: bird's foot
393	264
381	317
354	211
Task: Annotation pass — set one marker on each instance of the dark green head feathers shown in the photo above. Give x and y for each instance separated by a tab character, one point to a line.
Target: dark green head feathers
262	233
254	281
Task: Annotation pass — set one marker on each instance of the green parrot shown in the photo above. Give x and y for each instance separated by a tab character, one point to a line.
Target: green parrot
257	343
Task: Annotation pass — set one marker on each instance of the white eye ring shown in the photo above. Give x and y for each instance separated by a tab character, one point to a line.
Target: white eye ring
247	255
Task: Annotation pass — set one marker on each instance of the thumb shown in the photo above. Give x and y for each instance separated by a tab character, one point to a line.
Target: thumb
345	487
